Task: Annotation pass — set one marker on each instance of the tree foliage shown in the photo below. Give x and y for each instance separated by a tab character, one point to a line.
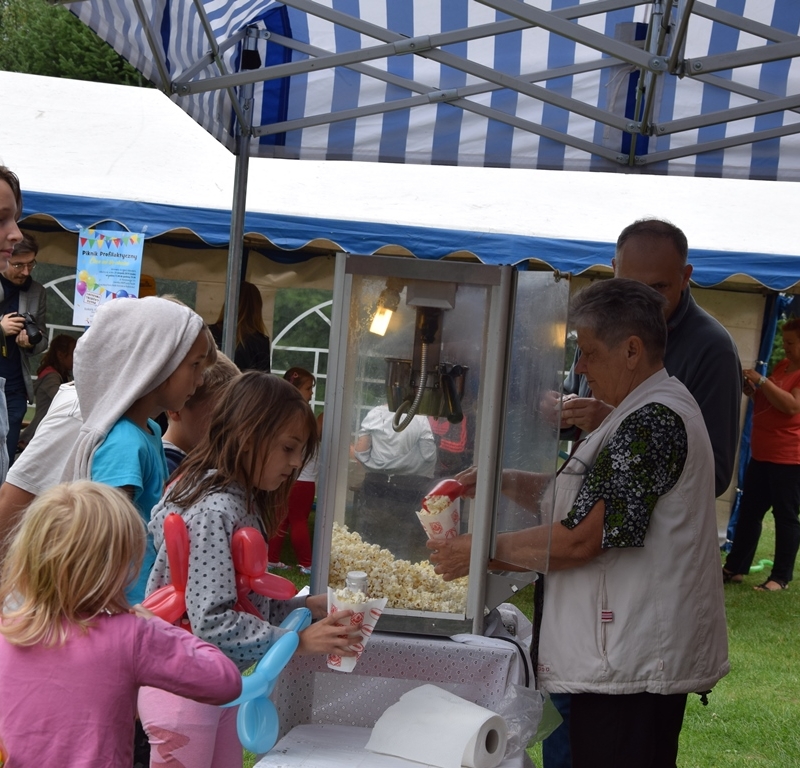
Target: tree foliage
40	39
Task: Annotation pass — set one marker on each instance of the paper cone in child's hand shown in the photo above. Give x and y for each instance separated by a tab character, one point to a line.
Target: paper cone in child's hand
365	612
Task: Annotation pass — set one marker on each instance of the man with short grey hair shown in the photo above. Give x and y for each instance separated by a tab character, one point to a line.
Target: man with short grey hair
700	353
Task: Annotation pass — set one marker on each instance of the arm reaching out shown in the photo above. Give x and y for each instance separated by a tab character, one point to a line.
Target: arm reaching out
532	549
523	488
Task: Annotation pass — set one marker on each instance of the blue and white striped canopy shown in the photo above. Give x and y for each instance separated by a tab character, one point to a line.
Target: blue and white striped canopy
669	87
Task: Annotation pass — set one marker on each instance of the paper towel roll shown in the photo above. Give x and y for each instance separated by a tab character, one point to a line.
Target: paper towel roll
433	726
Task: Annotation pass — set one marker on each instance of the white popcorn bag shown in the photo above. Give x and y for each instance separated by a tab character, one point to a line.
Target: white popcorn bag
440	522
366	611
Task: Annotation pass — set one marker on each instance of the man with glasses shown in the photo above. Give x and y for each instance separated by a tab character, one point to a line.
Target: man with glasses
19	294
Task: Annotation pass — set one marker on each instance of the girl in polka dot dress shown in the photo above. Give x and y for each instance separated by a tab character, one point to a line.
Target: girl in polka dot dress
262	432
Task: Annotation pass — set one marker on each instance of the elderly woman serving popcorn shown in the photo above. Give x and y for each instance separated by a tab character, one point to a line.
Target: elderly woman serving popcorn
633	617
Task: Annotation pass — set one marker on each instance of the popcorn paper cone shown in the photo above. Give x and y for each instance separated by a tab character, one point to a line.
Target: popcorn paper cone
368	614
444	524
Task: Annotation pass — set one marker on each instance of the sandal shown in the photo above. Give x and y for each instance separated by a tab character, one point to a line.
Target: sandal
779	586
729	577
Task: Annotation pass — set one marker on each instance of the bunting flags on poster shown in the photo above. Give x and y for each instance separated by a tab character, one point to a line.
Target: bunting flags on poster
109	267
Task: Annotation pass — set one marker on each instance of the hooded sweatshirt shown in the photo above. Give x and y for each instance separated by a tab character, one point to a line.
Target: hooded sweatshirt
132	346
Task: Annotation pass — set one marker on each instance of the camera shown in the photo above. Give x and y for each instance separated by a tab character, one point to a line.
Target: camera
33	330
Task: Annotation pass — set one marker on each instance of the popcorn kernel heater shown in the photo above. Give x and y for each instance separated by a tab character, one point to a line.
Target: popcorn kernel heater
434	367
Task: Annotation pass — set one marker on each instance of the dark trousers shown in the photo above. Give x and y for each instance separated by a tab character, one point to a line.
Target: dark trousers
639	730
383	510
768	485
17	405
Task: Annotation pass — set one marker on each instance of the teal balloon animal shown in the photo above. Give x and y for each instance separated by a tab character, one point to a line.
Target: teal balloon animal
257	720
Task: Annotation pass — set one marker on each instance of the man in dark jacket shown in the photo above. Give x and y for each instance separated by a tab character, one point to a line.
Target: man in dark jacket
20	294
700	353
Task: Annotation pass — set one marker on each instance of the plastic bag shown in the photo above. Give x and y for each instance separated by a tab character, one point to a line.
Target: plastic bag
521	708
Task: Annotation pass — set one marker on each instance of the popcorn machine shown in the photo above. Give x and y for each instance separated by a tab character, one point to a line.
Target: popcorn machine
434	367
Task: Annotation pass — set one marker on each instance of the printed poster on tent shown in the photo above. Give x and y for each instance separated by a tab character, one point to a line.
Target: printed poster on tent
109	266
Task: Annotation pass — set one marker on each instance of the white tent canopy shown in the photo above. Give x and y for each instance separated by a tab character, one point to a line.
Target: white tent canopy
87	152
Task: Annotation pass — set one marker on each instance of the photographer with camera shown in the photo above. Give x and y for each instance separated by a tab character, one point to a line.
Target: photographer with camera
23	308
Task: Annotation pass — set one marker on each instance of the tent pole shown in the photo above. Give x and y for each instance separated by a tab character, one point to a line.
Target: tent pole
239	204
236	245
155	48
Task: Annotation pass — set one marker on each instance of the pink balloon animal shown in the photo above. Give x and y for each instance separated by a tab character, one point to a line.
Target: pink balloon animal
169	602
249	551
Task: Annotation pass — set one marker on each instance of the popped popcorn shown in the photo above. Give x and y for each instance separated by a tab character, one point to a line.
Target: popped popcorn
347	595
433	505
411	586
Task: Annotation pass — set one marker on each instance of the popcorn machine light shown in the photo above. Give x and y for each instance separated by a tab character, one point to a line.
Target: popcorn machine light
426	361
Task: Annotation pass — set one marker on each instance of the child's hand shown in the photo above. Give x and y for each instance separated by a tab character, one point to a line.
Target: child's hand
333	634
318	605
142	612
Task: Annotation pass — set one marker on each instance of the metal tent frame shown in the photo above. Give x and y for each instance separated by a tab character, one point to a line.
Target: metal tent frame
750	52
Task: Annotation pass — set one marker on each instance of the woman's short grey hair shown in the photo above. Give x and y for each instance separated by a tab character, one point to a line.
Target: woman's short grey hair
617	309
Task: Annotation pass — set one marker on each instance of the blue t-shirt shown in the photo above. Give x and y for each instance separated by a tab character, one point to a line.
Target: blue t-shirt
131	456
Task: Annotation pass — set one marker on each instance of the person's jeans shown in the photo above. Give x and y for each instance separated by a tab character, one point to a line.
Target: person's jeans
16	405
556	751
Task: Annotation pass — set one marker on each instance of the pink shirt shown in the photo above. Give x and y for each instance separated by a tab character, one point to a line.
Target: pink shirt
75	704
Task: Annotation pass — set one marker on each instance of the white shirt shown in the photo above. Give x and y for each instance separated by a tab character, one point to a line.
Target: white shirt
41	464
410	452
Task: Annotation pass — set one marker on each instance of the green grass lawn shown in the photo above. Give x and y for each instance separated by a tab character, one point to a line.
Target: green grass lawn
753	716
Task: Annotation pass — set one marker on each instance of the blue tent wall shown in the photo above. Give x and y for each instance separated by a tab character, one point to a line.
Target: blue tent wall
293	233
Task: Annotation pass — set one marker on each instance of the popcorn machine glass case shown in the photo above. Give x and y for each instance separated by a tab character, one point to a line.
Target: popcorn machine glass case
434	367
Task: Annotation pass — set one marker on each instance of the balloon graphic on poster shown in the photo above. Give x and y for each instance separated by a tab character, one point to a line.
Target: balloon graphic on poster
109	267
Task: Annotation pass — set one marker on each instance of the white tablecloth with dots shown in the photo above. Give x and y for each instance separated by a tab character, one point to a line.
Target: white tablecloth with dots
479	669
